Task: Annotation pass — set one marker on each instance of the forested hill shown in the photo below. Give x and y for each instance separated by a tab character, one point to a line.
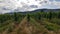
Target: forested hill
38	10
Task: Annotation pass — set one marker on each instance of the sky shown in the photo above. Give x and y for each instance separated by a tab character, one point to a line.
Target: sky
27	5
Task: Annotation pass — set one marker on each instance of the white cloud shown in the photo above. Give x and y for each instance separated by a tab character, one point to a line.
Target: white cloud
27	5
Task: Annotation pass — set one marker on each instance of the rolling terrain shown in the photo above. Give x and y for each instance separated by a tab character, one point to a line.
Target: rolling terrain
30	23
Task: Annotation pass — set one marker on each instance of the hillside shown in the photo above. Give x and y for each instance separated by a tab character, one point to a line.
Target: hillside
37	10
30	27
34	23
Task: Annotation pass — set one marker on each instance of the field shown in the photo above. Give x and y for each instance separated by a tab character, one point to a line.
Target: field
30	23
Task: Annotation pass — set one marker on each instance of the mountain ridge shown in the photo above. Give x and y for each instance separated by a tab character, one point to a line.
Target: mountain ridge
37	10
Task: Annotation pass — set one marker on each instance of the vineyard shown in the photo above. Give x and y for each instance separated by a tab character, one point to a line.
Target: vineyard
30	23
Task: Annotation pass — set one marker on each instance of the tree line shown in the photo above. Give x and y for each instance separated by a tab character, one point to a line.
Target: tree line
38	15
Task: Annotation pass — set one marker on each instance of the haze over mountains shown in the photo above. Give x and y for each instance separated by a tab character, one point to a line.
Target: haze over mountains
27	5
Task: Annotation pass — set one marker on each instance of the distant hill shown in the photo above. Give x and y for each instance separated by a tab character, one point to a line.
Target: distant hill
38	10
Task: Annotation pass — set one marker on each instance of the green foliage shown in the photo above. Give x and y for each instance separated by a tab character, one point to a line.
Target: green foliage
50	19
28	17
52	27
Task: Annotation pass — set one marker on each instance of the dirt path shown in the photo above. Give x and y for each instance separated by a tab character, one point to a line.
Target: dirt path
21	24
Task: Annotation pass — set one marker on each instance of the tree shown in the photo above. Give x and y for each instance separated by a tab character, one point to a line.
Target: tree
49	16
59	15
28	17
15	18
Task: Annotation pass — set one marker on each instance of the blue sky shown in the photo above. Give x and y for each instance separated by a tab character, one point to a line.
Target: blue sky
27	5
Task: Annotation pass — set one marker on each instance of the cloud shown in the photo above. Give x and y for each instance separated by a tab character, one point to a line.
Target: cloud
27	5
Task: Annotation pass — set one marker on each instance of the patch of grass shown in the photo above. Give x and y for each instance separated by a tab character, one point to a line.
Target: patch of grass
51	26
